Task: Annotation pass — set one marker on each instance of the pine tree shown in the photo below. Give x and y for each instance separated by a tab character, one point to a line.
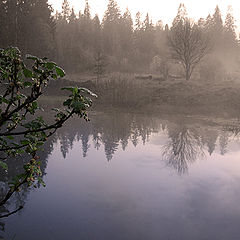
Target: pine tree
112	15
166	28
28	25
87	13
181	15
110	24
86	28
217	20
229	25
208	26
147	24
42	28
127	19
201	23
66	11
159	25
126	34
72	17
214	29
138	23
97	34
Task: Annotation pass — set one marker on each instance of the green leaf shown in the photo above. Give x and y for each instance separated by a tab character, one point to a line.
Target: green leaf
31	57
34	105
27	73
75	90
2	99
60	72
67	102
40	143
85	90
10	137
3	165
54	76
24	142
50	65
27	84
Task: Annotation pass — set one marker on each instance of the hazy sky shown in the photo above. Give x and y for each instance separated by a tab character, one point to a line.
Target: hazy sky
164	10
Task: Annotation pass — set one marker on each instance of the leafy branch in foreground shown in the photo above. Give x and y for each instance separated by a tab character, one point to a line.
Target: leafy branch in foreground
22	133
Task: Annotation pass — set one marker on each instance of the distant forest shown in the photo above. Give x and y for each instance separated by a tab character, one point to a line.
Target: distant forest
125	43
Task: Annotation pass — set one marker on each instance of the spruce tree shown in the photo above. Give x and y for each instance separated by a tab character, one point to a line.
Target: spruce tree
110	25
229	25
217	20
66	11
138	23
181	15
87	13
112	14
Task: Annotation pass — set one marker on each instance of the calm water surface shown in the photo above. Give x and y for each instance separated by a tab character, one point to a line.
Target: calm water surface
125	176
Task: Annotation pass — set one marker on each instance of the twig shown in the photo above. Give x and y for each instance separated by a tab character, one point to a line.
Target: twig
11	213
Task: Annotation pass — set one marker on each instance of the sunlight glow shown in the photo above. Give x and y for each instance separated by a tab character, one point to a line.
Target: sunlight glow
158	9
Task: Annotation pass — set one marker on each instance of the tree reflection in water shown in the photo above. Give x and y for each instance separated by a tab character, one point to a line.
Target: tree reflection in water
187	140
183	148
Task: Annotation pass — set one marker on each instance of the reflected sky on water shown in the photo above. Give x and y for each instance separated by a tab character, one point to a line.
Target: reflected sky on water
126	176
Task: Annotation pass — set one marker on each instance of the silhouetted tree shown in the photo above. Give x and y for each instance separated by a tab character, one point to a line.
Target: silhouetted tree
229	25
187	42
214	28
97	35
230	38
29	25
66	10
110	26
126	35
87	13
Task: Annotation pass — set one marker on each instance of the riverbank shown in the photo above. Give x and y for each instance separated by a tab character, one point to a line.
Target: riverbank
130	93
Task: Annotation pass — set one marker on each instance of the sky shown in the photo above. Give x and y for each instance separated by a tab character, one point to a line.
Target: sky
164	10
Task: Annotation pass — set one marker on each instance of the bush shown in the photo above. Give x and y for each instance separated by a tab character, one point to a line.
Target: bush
121	90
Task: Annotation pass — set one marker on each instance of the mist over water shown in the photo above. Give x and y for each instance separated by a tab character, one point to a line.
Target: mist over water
134	176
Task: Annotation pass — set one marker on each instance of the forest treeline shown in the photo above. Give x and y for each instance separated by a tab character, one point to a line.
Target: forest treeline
122	42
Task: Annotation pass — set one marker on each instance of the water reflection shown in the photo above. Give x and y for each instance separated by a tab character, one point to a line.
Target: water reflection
183	147
179	142
186	140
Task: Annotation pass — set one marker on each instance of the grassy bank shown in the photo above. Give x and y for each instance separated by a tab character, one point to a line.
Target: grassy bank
154	94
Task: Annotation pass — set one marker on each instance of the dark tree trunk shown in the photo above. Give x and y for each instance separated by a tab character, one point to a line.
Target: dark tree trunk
188	72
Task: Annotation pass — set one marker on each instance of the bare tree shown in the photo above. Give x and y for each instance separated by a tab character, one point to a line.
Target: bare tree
183	148
188	44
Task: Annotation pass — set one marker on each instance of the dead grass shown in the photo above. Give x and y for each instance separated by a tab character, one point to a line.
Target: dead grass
221	97
122	90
